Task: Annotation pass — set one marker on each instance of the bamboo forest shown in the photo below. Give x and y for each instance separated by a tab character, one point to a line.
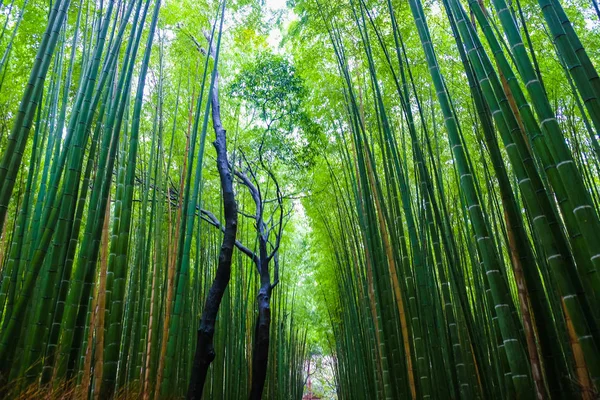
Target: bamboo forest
300	199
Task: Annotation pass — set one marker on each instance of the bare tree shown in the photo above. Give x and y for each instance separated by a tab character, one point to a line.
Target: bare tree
278	110
269	219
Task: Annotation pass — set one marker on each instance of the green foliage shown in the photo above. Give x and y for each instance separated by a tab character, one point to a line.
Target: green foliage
273	95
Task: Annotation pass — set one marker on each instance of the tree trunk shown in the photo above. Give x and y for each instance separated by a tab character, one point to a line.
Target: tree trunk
205	352
260	358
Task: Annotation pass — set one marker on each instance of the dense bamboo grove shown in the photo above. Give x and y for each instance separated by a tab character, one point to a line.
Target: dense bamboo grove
466	221
355	199
105	259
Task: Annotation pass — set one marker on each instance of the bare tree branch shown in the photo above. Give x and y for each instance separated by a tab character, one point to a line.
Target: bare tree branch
214	221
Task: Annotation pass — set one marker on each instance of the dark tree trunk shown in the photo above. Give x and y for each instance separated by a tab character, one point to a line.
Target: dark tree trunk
261	343
260	357
205	352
